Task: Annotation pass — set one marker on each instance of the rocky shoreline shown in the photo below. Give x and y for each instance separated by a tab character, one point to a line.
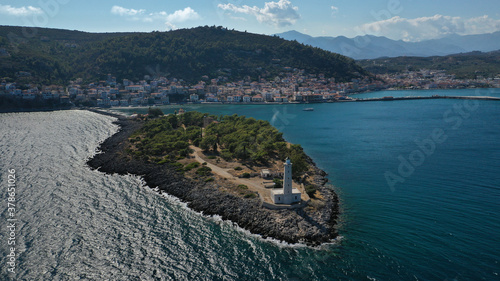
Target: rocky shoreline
308	225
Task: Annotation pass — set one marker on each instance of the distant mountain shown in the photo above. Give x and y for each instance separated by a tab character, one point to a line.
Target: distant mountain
57	56
371	47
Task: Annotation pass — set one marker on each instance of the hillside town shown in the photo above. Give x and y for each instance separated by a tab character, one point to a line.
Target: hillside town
293	86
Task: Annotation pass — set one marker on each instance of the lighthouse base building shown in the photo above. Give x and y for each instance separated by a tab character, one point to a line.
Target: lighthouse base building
287	195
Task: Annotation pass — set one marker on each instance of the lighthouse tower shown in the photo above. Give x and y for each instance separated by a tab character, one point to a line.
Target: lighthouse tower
287	178
288	194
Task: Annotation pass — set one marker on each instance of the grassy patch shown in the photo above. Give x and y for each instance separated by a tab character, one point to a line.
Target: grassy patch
191	166
204	171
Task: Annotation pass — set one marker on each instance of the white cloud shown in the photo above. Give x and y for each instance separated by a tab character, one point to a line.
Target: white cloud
281	13
117	10
433	27
176	17
183	15
334	9
23	11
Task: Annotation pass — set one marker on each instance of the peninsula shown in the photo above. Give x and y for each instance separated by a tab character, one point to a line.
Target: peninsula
236	167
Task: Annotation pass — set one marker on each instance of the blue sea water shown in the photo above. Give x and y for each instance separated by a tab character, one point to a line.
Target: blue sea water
436	218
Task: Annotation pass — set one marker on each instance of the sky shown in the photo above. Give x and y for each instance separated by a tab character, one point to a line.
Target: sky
408	20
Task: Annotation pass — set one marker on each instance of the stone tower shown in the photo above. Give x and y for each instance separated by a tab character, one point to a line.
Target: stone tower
288	194
287	178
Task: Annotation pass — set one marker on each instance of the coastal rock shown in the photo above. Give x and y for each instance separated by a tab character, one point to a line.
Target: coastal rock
301	225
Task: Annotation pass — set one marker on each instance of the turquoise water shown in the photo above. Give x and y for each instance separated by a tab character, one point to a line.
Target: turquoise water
436	219
439	223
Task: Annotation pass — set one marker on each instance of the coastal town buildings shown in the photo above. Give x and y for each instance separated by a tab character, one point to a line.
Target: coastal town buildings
291	86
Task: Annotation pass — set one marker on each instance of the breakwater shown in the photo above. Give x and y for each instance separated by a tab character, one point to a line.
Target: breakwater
390	98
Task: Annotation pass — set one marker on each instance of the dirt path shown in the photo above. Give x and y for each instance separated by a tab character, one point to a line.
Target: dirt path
252	184
216	169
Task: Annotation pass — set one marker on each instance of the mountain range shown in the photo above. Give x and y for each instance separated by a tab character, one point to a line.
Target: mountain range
371	47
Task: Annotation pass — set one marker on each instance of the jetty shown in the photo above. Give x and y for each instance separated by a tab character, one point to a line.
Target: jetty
390	98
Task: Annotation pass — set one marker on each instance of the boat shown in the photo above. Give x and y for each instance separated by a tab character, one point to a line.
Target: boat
308	109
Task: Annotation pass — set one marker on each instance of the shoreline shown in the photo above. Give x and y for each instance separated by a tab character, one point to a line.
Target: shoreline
305	225
352	98
42	109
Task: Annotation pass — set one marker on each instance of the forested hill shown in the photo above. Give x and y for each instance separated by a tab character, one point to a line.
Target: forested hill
464	66
55	56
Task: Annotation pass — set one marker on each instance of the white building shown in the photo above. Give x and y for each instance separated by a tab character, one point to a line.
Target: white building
194	97
134	88
287	195
268	96
247	98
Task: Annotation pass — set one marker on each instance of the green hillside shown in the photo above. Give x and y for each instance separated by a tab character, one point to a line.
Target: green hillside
464	66
56	56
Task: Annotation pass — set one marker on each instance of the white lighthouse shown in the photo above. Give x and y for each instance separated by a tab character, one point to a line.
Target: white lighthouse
287	177
287	195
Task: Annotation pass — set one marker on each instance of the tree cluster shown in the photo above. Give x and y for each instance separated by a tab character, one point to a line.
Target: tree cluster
231	137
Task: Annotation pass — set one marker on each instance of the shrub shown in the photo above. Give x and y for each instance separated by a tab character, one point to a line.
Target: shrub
197	141
278	183
161	162
134	140
185	152
242	186
310	190
250	195
204	171
245	175
238	168
212	157
209	180
191	166
226	155
154	112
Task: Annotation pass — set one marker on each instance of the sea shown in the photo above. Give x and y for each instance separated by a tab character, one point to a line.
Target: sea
418	181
